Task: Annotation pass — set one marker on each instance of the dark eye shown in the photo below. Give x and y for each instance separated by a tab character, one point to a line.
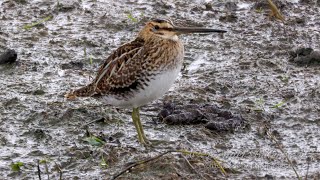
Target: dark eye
156	27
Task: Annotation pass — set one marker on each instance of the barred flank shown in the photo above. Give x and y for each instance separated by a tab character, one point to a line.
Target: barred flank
82	92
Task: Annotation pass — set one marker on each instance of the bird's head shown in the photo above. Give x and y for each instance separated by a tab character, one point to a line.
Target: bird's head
166	29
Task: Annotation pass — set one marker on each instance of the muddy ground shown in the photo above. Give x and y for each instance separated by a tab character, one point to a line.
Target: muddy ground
247	71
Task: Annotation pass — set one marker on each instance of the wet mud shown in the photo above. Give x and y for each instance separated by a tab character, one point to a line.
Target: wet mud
254	73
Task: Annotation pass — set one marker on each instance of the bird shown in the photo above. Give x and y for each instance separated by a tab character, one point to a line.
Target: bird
141	70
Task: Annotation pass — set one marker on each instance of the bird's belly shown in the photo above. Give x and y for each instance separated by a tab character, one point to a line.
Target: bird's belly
157	87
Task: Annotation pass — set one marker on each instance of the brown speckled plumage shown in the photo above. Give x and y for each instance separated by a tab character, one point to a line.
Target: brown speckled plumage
132	65
140	71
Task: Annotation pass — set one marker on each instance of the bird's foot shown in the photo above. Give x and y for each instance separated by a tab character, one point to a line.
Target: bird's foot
144	141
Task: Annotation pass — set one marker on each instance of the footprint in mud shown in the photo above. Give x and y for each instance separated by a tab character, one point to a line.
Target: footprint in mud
212	116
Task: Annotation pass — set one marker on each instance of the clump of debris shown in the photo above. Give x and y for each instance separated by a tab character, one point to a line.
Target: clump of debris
213	117
305	56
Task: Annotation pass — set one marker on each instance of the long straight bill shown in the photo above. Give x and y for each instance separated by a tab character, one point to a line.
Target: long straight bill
184	30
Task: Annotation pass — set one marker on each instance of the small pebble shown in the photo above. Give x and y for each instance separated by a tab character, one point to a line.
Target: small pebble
8	57
305	56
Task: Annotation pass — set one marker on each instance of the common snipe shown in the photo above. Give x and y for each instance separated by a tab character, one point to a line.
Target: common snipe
142	70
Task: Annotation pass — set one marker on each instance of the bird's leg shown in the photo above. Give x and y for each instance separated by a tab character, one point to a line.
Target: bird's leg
136	122
141	128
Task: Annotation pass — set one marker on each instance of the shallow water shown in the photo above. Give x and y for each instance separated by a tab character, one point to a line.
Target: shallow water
246	71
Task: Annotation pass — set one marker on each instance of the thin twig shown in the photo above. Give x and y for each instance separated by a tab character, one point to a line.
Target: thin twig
29	26
170	151
194	170
93	121
284	153
59	170
217	163
192	153
47	169
139	163
308	159
39	171
275	11
207	155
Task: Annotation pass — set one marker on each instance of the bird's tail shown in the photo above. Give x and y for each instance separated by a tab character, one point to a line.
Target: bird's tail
86	91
